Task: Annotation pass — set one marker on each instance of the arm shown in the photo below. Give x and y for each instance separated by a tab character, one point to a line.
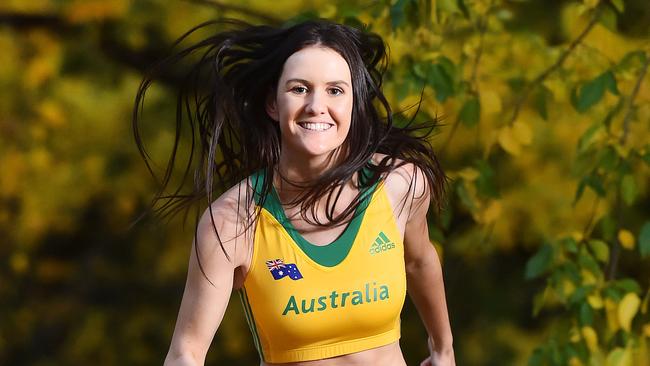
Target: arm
204	304
424	278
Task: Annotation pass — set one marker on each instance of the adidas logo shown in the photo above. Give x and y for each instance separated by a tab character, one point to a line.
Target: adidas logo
381	244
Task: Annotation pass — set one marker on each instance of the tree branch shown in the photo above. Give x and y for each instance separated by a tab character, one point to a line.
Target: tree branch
560	60
635	91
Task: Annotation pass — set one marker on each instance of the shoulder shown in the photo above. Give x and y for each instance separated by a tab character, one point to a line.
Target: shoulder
406	183
229	222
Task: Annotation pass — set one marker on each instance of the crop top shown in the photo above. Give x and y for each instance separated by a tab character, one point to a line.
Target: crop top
306	302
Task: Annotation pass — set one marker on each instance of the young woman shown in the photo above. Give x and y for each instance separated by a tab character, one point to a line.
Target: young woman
322	224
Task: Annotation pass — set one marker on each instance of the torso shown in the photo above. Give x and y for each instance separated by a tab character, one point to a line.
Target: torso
396	187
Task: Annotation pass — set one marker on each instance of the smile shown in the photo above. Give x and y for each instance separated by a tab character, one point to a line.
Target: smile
318	126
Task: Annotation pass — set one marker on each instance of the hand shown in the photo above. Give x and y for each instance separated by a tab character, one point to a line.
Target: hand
439	357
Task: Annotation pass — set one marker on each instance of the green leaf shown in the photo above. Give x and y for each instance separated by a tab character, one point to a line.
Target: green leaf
607	227
600	249
540	101
440	81
540	262
627	285
610	82
465	197
485	185
584	142
470	112
596	183
585	260
644	240
631	60
646	157
608	18
580	294
537	358
463	8
628	189
398	14
608	159
618	4
592	181
447	5
590	93
586	314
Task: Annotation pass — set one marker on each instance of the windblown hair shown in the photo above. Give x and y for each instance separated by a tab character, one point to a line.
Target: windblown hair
224	97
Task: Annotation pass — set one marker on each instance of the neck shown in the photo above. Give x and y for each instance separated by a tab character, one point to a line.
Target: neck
303	171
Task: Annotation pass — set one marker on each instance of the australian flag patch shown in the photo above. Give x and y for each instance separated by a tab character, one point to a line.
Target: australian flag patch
280	270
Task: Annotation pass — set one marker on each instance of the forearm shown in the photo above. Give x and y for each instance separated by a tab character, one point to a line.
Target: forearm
426	289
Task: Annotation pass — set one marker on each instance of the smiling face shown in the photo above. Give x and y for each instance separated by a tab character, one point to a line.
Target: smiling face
313	102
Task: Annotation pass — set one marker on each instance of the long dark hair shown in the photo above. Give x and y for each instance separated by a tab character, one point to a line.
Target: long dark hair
224	97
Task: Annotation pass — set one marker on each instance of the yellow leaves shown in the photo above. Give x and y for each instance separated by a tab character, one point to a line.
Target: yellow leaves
468	174
51	113
45	63
567	287
591	338
619	357
39	159
575	361
14	162
508	142
490	102
590	4
626	238
595	301
513	138
491	212
612	315
80	11
327	10
627	309
522	132
588	277
427	38
399	45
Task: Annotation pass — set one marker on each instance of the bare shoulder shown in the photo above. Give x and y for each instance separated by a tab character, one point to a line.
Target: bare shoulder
228	222
406	185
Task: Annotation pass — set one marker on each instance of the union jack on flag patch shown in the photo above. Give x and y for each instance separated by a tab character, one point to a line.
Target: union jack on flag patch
279	269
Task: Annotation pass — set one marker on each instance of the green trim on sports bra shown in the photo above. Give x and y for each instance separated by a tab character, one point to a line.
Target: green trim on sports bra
326	255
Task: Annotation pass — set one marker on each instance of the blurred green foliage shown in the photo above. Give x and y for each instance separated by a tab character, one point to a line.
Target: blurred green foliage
545	241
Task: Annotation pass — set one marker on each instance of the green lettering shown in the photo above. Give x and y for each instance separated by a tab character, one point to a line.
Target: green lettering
374	291
343	297
358	298
311	308
291	305
333	297
383	295
367	292
321	302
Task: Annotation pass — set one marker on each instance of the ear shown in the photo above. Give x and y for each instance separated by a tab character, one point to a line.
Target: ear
271	106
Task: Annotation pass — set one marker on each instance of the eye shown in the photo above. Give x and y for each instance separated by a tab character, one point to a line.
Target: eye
299	89
336	91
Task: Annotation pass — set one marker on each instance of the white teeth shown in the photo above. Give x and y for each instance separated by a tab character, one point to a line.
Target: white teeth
315	126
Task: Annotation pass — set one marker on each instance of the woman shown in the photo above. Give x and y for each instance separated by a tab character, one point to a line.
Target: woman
322	226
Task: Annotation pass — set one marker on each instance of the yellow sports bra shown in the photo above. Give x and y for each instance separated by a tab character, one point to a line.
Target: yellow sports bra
306	302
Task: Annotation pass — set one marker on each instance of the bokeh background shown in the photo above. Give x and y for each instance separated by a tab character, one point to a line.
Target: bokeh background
545	238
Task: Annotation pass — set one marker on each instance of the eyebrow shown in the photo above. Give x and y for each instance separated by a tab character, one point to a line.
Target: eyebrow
335	82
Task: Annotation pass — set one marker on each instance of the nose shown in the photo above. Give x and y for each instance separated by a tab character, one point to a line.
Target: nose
316	104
